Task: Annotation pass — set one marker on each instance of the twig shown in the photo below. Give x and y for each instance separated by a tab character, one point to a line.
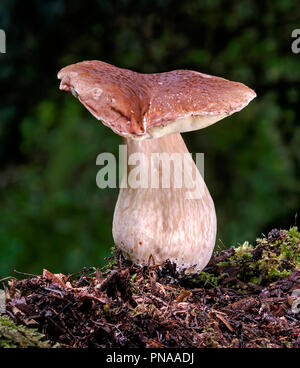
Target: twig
24	273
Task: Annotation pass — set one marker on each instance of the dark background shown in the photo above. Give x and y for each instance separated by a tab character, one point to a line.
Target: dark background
52	215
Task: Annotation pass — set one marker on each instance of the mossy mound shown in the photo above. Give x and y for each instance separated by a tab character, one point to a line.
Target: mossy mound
272	258
18	336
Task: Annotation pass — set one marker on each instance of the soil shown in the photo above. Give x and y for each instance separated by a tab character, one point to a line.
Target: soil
246	297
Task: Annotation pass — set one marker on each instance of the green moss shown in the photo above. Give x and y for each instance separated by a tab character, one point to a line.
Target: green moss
132	280
17	336
206	279
273	257
110	312
244	251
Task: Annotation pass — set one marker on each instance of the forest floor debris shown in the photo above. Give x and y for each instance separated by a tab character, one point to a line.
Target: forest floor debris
246	297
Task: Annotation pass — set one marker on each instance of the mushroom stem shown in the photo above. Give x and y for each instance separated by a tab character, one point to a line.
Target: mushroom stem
160	218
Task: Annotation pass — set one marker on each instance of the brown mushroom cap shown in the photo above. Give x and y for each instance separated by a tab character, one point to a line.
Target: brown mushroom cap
144	105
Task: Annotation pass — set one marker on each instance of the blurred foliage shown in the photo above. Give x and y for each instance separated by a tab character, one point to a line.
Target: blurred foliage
52	214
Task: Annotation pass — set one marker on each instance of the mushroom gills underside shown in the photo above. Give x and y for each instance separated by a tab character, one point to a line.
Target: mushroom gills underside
186	124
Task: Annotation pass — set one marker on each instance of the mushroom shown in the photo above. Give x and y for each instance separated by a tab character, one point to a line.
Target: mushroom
150	111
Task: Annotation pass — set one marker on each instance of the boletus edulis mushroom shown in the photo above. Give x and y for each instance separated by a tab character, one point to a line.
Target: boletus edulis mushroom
151	111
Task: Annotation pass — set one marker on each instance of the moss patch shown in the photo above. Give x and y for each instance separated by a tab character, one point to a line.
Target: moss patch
272	258
18	336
